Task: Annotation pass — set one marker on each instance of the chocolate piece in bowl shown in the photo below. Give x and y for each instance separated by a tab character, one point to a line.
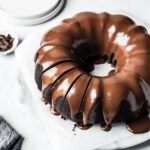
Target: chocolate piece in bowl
6	42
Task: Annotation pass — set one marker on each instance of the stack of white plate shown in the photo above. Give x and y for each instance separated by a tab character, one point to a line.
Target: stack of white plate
29	12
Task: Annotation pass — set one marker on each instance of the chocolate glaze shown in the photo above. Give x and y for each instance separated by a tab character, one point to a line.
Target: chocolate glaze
105	127
111	72
68	53
82	127
139	125
54	112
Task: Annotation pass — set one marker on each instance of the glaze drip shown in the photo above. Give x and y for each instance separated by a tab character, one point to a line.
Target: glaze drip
81	126
139	125
105	126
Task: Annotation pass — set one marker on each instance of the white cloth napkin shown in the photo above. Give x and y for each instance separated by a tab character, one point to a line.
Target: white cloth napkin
59	131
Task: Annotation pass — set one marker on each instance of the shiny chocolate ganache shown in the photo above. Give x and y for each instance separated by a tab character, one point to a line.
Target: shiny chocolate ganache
67	55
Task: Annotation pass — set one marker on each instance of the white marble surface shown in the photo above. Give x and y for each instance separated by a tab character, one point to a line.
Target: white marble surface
18	115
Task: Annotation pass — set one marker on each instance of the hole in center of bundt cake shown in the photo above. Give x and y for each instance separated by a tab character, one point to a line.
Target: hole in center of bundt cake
90	59
103	70
102	65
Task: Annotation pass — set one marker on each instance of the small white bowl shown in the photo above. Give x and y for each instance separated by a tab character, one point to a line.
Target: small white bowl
15	42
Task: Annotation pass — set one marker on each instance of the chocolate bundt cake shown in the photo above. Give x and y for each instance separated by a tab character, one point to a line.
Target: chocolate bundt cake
68	54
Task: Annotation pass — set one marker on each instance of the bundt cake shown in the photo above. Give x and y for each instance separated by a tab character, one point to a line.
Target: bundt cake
67	56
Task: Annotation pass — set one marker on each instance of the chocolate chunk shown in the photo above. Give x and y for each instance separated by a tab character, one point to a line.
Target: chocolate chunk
6	42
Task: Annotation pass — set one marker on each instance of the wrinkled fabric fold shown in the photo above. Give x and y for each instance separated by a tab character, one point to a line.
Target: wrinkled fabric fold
10	139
